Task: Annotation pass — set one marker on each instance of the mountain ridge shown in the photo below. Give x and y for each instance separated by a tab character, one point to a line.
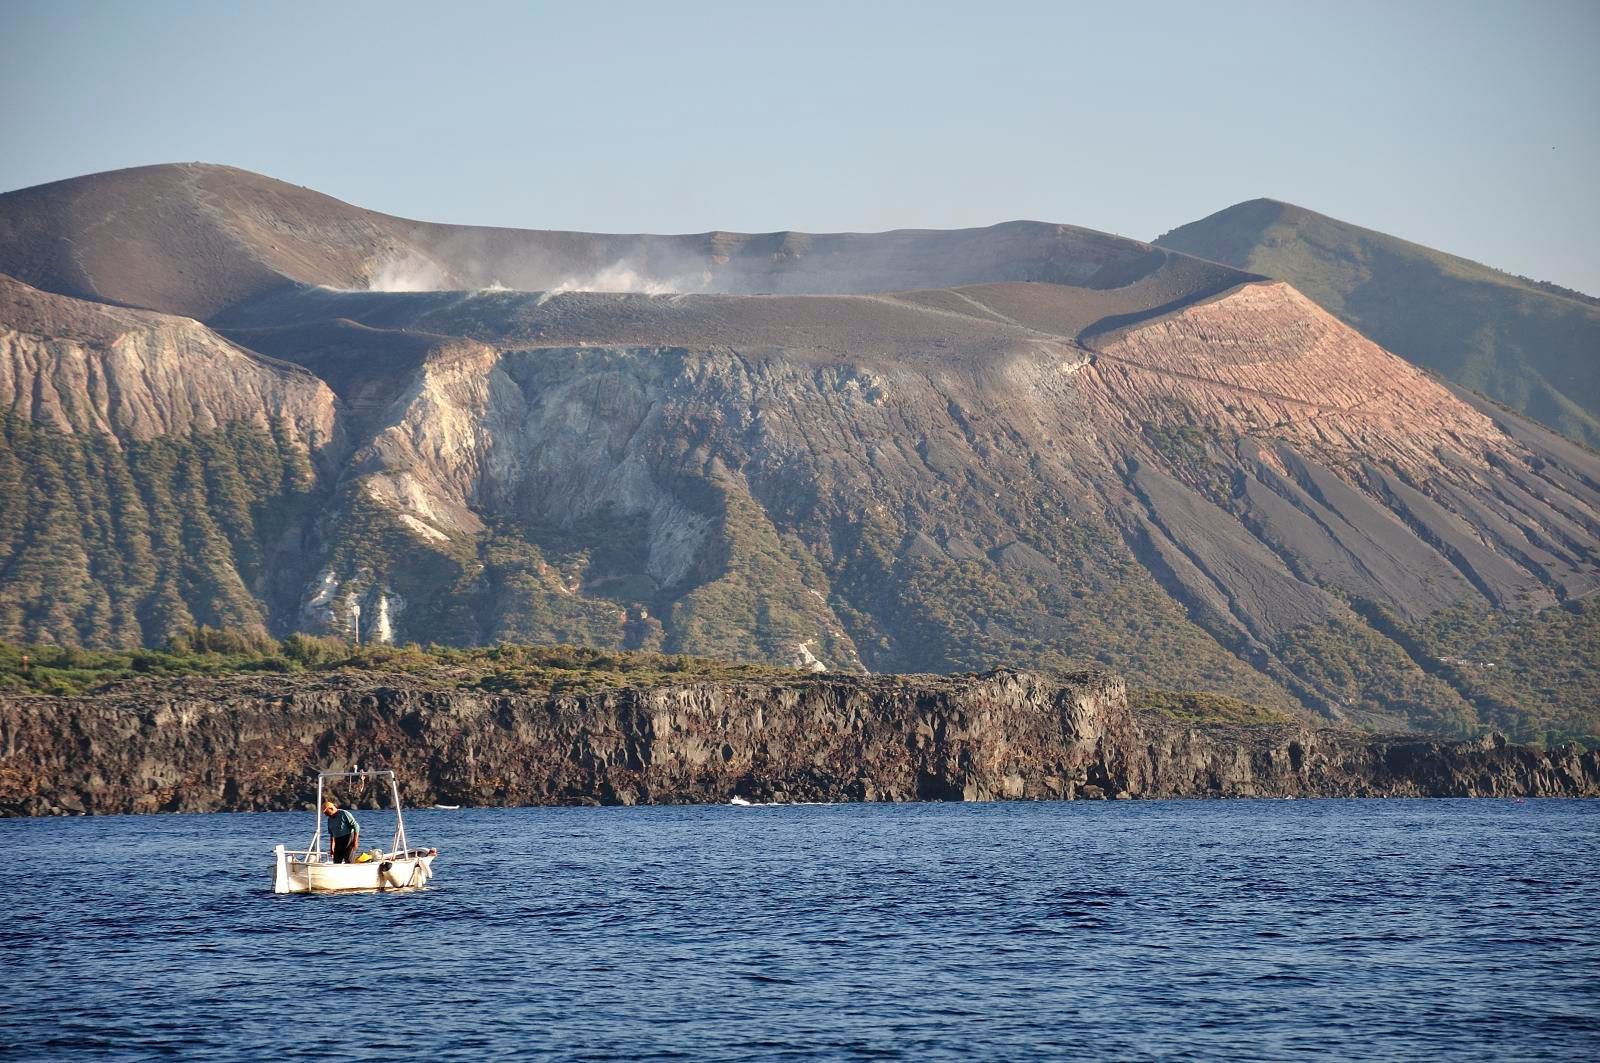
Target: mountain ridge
139	232
1089	452
1466	266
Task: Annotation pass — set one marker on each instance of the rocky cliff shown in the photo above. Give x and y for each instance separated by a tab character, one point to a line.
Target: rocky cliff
204	745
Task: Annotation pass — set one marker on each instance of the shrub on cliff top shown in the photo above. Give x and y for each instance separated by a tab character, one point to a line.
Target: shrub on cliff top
206	651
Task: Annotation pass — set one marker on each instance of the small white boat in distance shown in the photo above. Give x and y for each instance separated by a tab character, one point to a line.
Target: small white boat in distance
312	870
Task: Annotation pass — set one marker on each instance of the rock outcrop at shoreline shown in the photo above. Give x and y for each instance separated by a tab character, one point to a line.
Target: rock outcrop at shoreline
253	743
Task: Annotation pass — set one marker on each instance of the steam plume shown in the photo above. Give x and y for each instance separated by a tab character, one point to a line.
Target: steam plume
408	272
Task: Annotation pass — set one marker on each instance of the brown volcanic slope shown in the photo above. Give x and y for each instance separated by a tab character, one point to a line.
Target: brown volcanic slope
1531	345
931	451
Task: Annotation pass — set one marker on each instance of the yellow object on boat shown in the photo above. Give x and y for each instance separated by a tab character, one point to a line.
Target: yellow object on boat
364	858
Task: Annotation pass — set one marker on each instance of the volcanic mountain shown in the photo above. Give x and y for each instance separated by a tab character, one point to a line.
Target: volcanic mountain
236	402
1532	345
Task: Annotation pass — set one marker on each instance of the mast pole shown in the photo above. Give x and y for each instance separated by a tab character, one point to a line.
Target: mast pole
399	818
316	814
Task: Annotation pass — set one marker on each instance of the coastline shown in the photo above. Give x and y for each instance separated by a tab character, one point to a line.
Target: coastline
249	743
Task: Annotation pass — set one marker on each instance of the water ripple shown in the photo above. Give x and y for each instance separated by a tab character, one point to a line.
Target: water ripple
1240	930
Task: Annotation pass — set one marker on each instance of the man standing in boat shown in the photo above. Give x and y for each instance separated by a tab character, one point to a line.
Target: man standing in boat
343	832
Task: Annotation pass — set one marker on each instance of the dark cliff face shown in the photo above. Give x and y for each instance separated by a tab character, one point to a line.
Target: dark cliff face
1173	760
254	743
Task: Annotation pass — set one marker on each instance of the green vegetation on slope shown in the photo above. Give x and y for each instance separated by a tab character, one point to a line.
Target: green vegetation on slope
531	595
1370	678
759	606
186	531
1464	670
373	549
1070	597
1533	676
123	546
1532	346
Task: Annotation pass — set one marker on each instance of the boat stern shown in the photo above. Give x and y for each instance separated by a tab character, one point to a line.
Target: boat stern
280	878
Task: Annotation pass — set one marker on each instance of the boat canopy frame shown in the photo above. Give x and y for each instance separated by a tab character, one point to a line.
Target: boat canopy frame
398	845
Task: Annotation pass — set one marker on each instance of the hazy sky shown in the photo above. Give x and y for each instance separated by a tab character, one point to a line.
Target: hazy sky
1470	127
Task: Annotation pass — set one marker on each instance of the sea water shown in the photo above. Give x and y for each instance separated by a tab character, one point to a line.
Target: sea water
1241	929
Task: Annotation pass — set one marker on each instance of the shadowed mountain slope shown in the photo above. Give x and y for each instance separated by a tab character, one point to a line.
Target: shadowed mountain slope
919	452
1533	346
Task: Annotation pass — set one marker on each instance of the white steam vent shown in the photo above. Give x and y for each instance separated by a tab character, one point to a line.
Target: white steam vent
624	277
408	272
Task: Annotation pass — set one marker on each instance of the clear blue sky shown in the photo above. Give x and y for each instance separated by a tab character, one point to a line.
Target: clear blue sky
1472	127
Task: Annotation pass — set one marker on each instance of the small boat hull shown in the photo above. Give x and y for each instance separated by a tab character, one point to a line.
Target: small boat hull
403	871
310	870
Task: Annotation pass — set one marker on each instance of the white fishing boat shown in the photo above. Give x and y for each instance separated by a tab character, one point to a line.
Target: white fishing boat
312	870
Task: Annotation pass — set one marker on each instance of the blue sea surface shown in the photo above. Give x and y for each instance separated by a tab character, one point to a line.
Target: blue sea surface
1103	931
